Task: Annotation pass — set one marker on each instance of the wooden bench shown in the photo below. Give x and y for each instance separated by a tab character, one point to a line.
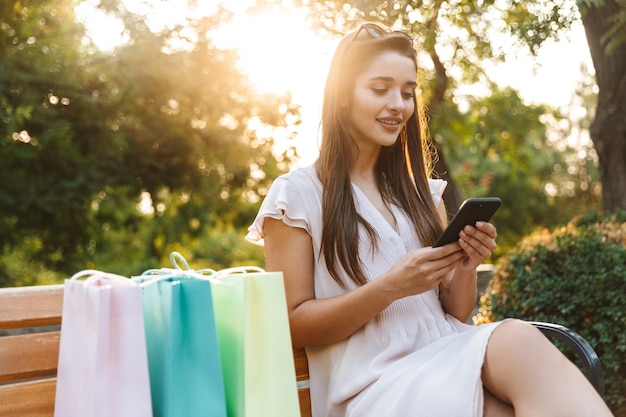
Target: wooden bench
28	358
30	319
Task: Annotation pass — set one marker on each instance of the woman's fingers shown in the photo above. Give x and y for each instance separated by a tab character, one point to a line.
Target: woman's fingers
478	242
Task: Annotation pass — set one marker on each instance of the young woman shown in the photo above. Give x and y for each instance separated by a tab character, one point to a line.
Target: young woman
380	312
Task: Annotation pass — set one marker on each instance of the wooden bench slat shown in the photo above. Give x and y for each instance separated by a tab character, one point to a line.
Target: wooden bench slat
304	397
29	355
32	399
302	376
302	365
31	306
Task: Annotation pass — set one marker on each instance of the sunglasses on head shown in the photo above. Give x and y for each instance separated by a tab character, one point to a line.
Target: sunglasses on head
376	32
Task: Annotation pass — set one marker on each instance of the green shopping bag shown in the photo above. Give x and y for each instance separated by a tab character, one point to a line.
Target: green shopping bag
183	353
255	344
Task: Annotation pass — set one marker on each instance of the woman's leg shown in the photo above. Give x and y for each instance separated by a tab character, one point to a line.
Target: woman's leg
522	367
494	407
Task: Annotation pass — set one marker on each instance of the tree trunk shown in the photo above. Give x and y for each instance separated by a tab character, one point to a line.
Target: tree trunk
608	130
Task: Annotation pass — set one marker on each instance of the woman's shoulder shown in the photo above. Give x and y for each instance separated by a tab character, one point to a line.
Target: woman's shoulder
292	198
304	179
297	189
302	174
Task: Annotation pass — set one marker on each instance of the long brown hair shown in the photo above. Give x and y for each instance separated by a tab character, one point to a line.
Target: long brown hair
402	170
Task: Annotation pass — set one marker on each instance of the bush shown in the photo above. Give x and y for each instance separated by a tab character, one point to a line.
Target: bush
575	276
19	266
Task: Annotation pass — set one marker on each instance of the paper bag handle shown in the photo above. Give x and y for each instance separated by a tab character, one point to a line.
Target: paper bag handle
177	272
239	270
242	270
94	275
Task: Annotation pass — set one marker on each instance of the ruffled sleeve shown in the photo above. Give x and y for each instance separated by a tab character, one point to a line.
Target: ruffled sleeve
437	187
285	201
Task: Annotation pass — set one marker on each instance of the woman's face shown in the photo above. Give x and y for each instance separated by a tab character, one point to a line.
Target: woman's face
382	100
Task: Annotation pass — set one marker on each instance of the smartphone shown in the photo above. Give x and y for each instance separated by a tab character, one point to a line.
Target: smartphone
471	211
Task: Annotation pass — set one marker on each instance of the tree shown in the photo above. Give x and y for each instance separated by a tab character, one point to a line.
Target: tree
457	37
521	153
605	26
85	136
41	177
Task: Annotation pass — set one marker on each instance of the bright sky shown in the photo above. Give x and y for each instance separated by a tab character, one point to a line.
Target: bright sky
557	71
297	59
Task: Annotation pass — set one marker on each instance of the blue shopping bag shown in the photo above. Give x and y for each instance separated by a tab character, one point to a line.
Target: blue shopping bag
183	354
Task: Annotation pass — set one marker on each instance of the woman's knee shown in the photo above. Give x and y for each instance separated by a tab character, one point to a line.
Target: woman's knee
515	347
524	368
518	335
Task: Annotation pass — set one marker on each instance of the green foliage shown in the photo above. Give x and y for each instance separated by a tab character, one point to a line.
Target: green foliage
574	275
163	120
19	266
499	147
534	22
218	248
39	185
86	135
223	249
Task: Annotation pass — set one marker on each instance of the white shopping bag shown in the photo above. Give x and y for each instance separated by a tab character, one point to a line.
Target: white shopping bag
103	365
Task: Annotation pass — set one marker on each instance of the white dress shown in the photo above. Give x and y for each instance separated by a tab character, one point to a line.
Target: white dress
410	360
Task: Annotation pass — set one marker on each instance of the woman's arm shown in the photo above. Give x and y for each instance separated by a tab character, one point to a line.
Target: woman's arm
459	296
313	322
322	321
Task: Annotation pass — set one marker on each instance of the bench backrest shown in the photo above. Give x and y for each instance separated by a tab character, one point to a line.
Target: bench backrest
29	348
30	319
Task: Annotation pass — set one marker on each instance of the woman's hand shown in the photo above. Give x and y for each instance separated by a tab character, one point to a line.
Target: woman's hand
478	243
421	270
459	295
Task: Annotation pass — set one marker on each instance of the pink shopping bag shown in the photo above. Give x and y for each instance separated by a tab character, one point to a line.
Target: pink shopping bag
103	365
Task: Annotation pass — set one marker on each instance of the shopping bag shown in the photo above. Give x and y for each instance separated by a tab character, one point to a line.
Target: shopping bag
255	344
183	354
103	365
